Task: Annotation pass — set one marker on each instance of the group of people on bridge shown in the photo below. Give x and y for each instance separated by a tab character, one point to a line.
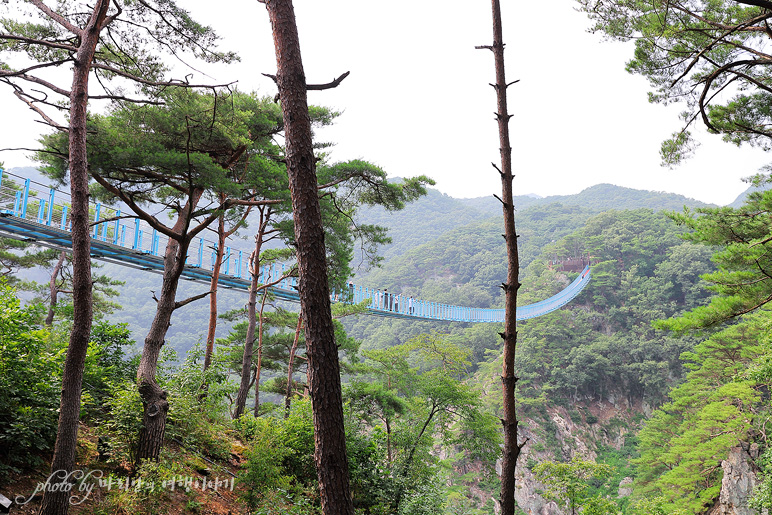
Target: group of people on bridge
390	301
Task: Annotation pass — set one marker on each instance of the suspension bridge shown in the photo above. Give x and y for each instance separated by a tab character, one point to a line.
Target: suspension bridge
33	212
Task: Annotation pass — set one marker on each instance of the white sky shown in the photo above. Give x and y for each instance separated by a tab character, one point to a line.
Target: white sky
418	100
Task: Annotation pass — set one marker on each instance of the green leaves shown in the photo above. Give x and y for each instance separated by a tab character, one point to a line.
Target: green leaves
742	238
414	394
568	483
30	368
684	442
708	54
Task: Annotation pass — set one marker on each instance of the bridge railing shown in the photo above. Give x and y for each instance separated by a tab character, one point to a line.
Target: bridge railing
35	202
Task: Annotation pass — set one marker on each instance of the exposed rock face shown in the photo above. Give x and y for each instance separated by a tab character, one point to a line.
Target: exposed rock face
526	494
571	437
625	487
739	481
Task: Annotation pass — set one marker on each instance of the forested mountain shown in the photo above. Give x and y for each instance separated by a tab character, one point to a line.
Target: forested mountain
590	373
434	215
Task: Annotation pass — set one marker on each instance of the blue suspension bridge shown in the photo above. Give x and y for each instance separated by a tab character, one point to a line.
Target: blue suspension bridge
34	212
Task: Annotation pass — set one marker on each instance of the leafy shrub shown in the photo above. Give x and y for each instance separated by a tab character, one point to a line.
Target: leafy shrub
198	416
30	368
762	495
196	421
106	365
124	421
264	470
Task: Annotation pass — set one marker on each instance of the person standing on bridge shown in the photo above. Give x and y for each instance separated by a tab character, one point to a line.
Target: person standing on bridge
410	308
386	300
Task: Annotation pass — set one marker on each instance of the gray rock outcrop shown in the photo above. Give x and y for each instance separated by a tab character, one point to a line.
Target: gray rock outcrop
739	481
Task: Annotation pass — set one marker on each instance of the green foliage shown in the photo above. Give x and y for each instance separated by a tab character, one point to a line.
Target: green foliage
104	292
742	237
568	483
762	495
106	364
123	422
653	506
691	54
600	506
603	342
353	185
684	440
414	394
424	499
184	145
280	465
18	255
30	368
196	421
264	469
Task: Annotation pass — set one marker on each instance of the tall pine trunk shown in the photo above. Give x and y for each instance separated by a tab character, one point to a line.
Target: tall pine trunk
213	292
249	341
259	364
511	450
322	352
156	407
54	289
290	366
57	503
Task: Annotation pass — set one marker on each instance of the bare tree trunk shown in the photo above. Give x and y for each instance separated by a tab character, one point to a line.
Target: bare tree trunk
291	364
56	503
259	365
388	440
252	321
153	396
213	292
323	363
54	289
246	362
511	449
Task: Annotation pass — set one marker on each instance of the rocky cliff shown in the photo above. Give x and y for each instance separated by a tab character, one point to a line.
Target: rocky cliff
739	481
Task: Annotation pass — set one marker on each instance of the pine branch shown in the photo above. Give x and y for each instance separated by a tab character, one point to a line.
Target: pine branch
58	18
187	301
41	42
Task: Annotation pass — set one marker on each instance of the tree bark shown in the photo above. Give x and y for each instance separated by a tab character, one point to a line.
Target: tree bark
259	364
511	450
213	292
54	289
222	235
322	352
56	503
249	341
153	396
291	364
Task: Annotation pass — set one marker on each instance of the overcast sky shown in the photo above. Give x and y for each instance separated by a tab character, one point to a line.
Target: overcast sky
418	100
